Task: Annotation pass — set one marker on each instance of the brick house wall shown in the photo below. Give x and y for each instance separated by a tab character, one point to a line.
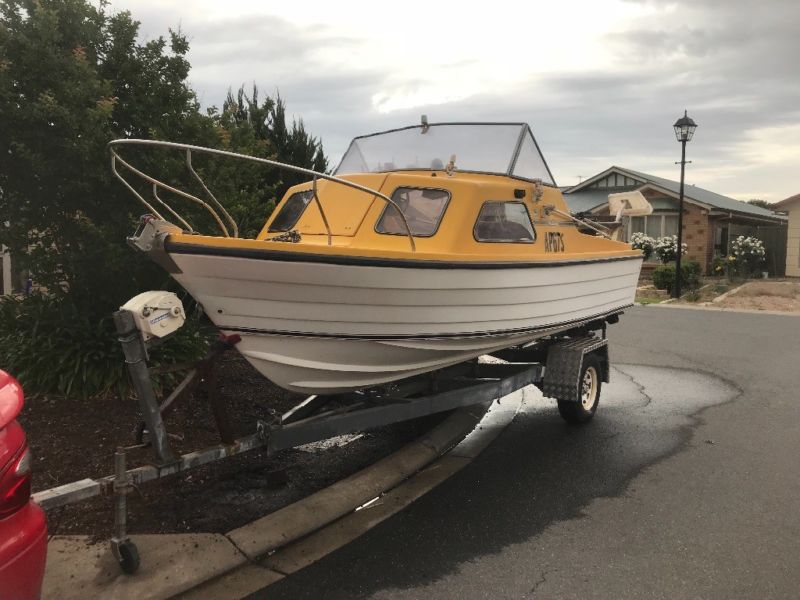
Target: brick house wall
698	230
698	235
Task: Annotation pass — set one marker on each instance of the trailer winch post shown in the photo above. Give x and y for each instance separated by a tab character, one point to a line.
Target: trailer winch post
136	360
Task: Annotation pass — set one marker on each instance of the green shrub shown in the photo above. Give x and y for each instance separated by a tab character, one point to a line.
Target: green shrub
692	295
721	288
691	272
664	276
52	347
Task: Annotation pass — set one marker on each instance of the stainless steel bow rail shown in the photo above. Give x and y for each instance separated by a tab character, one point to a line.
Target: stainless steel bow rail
213	206
321	417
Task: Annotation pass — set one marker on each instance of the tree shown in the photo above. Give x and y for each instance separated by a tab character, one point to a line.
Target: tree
256	127
761	203
72	78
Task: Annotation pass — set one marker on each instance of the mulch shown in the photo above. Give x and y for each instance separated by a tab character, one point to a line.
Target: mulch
72	439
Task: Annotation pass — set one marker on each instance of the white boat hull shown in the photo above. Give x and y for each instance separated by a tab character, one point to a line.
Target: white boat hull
322	328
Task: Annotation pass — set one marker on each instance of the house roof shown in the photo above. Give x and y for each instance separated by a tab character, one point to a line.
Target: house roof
585	200
691	192
783	204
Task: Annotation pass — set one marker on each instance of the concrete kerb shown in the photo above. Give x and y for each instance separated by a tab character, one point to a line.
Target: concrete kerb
78	568
729	310
299	554
277	529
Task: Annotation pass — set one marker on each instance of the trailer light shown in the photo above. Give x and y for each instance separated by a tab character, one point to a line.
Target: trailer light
15	486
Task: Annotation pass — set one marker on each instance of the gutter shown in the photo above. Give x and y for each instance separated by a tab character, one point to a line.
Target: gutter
778	221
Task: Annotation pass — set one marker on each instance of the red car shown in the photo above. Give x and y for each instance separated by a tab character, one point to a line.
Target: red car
23	528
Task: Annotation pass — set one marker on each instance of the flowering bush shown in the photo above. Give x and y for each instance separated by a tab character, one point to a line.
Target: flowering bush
640	241
748	253
666	248
724	265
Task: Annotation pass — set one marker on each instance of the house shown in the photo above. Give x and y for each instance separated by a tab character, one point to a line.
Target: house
792	206
710	220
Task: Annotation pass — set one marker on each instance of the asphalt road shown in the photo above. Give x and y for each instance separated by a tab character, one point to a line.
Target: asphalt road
685	485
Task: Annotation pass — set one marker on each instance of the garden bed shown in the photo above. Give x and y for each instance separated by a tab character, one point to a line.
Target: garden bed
708	290
72	439
646	293
781	296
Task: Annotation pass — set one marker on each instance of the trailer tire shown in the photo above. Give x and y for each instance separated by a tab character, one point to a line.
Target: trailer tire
582	408
128	556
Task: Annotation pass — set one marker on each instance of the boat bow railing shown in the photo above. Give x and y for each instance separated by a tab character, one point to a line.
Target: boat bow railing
596	227
213	206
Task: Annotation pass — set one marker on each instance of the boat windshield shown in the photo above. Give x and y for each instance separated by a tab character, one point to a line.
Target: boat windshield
495	148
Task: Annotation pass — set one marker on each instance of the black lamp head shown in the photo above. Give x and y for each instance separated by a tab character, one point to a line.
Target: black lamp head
684	128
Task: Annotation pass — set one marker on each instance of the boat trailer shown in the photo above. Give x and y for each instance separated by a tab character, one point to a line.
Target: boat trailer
555	364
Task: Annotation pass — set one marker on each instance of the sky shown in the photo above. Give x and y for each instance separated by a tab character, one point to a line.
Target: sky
600	82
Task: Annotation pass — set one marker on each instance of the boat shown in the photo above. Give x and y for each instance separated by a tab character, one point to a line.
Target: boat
428	246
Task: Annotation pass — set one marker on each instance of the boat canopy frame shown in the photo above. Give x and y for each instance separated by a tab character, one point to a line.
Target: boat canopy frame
424	127
214	207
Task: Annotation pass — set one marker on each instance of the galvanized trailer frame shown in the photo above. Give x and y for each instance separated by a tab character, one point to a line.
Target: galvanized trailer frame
322	417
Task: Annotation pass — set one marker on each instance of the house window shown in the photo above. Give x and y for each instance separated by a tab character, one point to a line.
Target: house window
423	209
504	222
655	226
670	224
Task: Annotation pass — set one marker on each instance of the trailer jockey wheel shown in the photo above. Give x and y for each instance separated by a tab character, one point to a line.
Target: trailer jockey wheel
127	555
583	407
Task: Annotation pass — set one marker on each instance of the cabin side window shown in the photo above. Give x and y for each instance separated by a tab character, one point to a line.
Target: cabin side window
423	209
291	211
501	221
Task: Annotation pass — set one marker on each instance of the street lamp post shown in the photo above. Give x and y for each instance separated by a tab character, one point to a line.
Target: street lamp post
684	130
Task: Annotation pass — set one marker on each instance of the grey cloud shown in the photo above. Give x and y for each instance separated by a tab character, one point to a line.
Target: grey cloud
731	63
262	38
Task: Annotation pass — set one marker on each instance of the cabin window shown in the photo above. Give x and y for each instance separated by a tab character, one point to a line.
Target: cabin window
291	211
423	209
504	222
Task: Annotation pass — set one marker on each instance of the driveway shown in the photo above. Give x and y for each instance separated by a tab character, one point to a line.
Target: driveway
686	485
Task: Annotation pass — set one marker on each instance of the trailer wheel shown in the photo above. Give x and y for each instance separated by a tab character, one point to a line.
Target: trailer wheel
128	556
582	408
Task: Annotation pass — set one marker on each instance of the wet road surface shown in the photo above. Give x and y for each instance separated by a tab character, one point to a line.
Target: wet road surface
685	485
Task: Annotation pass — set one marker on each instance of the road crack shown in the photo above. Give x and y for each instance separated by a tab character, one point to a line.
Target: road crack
639	387
542	579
